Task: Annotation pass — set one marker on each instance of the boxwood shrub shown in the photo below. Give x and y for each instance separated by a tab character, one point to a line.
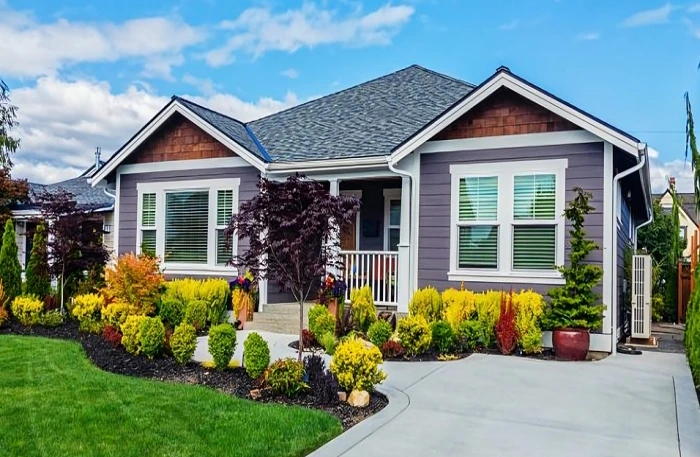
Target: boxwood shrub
222	344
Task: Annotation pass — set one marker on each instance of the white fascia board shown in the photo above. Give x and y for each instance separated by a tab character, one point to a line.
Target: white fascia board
505	80
156	122
509	141
326	164
180	165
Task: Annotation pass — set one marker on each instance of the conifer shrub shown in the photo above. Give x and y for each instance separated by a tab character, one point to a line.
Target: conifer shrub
379	332
10	269
256	355
442	337
356	365
321	321
426	302
467	335
183	342
38	276
364	313
152	336
222	344
196	313
414	334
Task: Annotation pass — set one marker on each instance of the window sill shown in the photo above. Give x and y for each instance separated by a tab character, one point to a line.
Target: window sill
199	270
554	279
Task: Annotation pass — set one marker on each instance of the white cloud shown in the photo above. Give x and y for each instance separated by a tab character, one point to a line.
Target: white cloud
680	169
61	122
694	8
29	48
259	30
647	17
290	73
512	25
204	85
588	36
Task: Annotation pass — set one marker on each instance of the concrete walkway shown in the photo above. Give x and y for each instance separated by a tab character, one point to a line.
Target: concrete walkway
506	406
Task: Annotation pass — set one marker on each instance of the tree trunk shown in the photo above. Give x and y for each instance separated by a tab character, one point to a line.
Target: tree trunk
301	329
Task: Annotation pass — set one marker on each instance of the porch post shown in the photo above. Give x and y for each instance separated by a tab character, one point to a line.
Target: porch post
403	280
335	234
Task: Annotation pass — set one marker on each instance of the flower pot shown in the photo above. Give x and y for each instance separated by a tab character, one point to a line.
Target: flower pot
242	317
332	304
571	344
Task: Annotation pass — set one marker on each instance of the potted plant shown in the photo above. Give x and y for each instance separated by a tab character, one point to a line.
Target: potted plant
243	291
574	308
332	294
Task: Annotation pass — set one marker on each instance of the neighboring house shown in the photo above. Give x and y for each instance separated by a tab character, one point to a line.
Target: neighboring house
688	214
460	184
88	198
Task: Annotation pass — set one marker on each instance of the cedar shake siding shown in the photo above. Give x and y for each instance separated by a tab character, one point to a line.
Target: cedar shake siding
585	169
128	195
179	139
505	113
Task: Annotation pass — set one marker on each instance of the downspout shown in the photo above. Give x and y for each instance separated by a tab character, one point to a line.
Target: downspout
642	149
404	238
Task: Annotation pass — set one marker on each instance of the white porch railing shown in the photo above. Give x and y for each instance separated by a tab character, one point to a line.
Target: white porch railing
378	269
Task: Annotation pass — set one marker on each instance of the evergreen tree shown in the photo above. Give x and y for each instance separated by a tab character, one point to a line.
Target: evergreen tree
38	275
10	269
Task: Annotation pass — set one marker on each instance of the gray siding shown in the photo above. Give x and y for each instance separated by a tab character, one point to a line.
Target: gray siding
128	196
585	170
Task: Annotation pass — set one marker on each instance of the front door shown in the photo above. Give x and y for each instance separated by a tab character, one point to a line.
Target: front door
348	237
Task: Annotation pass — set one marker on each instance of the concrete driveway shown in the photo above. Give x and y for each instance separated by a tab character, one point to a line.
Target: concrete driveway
507	406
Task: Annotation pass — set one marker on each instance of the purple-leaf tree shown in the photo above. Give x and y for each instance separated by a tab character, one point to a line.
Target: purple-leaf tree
292	228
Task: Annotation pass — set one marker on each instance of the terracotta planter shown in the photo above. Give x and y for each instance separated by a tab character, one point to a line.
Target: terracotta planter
242	317
332	304
571	344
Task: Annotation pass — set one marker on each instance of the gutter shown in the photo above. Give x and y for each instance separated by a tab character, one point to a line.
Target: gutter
326	164
643	152
113	196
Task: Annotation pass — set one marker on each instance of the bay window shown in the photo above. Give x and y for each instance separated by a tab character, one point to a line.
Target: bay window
184	222
507	222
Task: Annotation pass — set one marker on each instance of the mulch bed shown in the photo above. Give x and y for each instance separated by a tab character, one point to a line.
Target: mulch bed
233	382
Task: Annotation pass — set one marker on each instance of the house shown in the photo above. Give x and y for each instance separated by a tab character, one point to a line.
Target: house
460	184
687	213
96	200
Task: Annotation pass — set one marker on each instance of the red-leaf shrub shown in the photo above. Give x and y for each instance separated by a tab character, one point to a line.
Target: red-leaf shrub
506	329
392	349
112	336
308	338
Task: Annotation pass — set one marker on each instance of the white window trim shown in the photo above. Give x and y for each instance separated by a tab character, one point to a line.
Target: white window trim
210	185
389	194
506	172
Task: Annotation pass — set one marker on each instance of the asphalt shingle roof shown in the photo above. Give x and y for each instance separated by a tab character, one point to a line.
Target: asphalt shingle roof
87	197
366	120
687	203
232	128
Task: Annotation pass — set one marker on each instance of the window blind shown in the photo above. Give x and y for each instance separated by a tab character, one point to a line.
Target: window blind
478	199
478	246
224	206
535	197
186	226
534	247
148	210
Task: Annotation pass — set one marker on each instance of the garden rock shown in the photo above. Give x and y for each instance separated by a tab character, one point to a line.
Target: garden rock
255	394
359	398
342	396
368	344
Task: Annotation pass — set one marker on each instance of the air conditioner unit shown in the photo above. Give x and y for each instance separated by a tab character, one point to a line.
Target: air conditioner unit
641	296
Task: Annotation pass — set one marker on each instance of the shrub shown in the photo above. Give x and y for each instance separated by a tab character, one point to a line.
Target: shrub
171	310
52	318
530	307
308	338
323	383
364	313
392	349
131	333
691	339
356	365
427	303
112	335
91	325
216	293
183	342
286	377
88	307
222	343
10	269
4	299
321	321
414	334
256	355
506	330
488	306
38	276
329	342
4	316
115	313
196	314
27	309
442	337
467	335
152	336
379	332
458	306
135	280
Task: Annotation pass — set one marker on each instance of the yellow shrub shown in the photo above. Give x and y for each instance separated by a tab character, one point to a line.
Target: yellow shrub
414	334
185	290
530	306
426	302
215	291
131	333
364	313
459	305
488	308
87	306
27	309
356	365
115	313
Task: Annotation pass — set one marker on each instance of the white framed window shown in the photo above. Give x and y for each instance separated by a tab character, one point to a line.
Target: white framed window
183	222
392	219
507	222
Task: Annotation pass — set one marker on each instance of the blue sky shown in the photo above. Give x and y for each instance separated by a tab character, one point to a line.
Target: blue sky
90	73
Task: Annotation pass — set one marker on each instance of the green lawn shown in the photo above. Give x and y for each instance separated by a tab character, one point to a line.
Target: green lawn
54	402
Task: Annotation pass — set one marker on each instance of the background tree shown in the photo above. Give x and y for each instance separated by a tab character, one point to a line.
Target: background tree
74	242
292	230
38	275
8	121
10	269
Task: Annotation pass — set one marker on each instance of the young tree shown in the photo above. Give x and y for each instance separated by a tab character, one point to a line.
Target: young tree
75	248
10	269
292	230
38	276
